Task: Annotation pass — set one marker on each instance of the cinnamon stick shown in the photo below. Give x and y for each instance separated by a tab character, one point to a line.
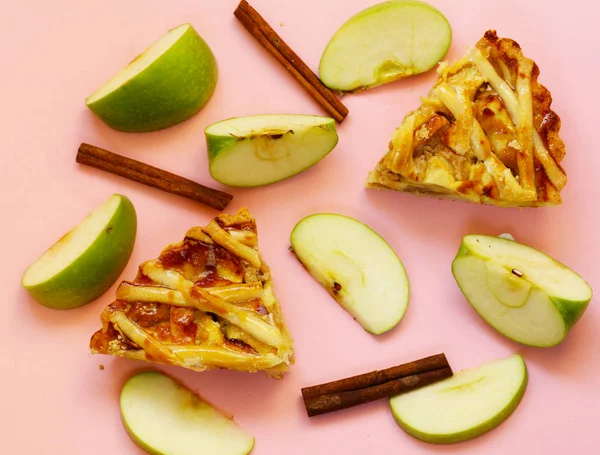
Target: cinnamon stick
433	362
337	401
151	176
364	388
274	44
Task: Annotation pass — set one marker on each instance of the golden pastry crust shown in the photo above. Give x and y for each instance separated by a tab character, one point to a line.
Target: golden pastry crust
206	302
486	134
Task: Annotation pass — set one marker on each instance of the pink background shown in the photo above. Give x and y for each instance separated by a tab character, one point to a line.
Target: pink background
56	53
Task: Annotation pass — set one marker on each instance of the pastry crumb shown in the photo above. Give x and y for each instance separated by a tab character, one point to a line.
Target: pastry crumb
101	367
281	24
515	144
422	133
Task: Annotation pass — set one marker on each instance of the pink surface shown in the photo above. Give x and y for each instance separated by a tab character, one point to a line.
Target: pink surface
56	53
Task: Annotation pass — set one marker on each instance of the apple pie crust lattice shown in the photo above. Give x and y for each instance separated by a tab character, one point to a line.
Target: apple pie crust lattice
206	302
485	134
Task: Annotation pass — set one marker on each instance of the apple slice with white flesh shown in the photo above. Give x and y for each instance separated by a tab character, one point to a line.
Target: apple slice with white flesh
356	266
464	406
262	149
384	43
164	418
87	260
521	292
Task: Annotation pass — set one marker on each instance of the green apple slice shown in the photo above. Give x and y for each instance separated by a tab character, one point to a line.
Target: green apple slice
521	292
464	406
87	260
168	83
165	418
356	266
384	43
263	149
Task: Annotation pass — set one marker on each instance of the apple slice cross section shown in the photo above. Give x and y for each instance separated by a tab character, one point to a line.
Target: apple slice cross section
263	149
87	260
356	266
383	43
521	292
165	418
464	406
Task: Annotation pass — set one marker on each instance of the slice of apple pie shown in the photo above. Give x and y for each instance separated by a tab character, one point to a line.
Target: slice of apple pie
484	134
206	302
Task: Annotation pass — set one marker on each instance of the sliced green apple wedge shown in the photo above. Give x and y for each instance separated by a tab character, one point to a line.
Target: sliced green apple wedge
165	418
87	260
521	292
384	43
166	84
467	405
356	266
262	149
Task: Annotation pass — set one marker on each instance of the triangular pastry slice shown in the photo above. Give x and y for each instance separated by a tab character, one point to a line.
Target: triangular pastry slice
484	134
206	302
